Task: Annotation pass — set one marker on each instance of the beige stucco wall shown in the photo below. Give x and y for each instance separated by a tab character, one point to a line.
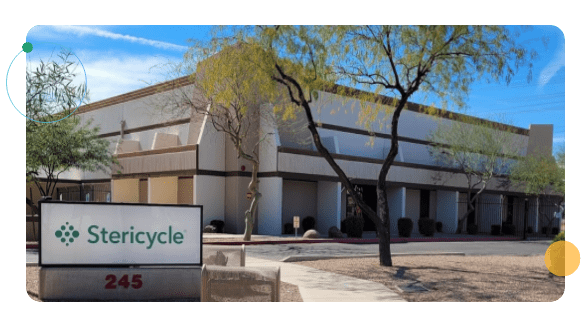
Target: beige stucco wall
540	141
163	189
186	160
126	190
185	191
165	140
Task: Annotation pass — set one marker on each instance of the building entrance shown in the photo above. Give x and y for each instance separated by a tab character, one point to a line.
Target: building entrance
370	198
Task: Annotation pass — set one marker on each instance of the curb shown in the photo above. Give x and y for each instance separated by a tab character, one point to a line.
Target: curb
350	241
297	258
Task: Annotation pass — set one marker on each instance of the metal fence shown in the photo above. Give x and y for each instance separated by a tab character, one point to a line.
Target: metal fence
513	216
85	193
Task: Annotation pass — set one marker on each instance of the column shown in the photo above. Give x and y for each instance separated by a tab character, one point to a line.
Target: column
270	206
328	206
397	207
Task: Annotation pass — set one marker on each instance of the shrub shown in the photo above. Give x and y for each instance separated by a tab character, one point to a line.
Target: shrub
343	227
354	226
405	227
555	230
496	230
529	230
426	226
439	227
218	225
559	237
472	229
544	230
289	228
308	223
508	229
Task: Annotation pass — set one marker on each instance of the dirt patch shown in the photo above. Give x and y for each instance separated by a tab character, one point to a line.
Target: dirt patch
457	278
288	292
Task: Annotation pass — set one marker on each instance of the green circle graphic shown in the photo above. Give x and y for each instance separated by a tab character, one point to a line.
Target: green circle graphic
27	47
63	227
75	233
58	233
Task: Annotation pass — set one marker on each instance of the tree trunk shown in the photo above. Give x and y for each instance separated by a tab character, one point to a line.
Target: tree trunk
250	214
383	228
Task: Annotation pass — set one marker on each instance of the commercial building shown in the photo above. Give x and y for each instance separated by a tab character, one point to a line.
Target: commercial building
182	159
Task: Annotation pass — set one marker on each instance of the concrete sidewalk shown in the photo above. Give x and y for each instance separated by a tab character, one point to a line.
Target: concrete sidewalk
321	286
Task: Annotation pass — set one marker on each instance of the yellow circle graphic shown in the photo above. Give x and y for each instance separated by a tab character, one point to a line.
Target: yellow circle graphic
562	258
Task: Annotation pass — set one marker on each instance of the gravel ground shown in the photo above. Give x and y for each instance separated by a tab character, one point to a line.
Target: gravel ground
457	278
288	292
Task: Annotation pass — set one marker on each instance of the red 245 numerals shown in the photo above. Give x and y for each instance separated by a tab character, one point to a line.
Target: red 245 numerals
111	282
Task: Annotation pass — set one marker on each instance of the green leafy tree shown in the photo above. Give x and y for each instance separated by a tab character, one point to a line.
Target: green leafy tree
542	176
55	144
480	149
397	61
54	148
235	95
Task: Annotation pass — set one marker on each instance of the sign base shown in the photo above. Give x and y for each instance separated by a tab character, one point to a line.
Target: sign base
119	284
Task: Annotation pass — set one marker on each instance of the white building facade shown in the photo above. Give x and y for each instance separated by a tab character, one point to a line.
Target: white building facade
184	160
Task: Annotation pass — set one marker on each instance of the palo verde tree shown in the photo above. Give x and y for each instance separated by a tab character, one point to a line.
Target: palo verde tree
397	61
55	144
236	96
479	149
542	176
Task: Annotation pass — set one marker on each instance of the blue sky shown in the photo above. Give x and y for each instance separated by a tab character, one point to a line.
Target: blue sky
119	59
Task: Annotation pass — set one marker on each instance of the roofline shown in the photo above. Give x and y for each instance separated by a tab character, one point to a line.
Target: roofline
335	89
423	109
133	95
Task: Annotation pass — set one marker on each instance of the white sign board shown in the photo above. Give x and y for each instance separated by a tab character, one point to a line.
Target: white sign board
94	234
296	222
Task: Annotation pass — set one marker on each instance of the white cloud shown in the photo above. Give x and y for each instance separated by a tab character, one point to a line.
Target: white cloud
553	67
84	30
110	76
559	139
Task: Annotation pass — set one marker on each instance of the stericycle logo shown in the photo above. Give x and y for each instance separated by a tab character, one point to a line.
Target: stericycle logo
134	236
67	234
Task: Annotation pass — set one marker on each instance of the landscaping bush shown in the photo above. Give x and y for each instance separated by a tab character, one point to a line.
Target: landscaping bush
354	226
405	226
439	227
218	225
496	230
426	226
529	230
472	229
308	223
508	229
289	228
343	227
559	237
555	230
544	230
